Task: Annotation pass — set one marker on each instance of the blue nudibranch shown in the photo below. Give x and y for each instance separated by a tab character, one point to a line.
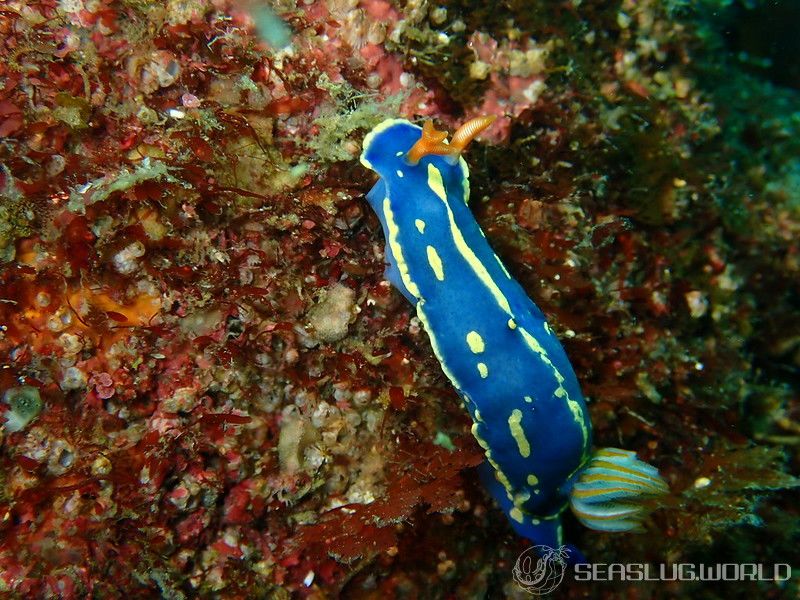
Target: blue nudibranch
494	343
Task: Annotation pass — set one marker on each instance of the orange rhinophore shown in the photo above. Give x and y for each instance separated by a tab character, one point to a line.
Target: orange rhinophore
434	141
431	142
469	131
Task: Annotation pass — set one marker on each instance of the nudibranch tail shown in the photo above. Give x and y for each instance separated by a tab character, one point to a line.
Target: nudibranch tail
546	531
610	491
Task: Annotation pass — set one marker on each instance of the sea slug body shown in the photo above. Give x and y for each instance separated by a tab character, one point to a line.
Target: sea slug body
494	343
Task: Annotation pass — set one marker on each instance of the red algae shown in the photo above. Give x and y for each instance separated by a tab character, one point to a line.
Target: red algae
235	404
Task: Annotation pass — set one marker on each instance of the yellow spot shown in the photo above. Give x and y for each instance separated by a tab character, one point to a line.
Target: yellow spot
420	225
399	173
532	479
397	251
521	498
435	262
475	342
548	329
536	521
512	324
436	183
518	434
478	415
516	514
483	370
528	399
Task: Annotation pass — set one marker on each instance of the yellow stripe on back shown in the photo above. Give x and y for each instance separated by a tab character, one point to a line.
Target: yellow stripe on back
436	183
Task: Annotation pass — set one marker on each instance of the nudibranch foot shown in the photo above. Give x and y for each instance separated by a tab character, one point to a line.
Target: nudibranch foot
610	493
545	531
392	273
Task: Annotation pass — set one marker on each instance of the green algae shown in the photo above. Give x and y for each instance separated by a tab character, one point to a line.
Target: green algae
16	217
100	189
349	112
25	405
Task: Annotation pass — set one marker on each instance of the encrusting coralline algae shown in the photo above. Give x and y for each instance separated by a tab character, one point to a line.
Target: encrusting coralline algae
234	403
